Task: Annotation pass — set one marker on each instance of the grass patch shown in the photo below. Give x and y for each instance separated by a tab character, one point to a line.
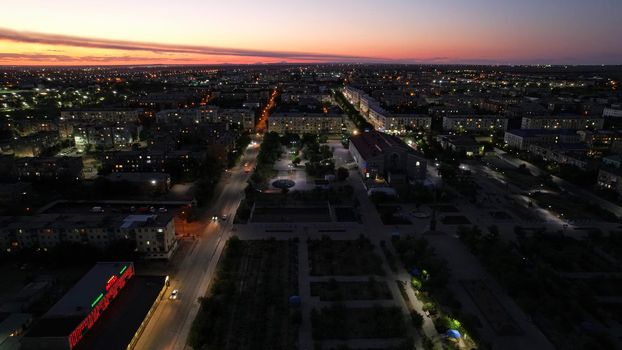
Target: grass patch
339	322
343	258
337	291
247	307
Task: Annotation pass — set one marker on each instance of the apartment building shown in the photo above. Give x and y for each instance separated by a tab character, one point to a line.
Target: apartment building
154	234
305	123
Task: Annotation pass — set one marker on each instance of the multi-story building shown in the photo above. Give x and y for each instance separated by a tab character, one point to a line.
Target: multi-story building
353	95
610	173
178	116
33	145
612	112
305	123
568	154
382	155
48	168
243	117
462	144
398	123
151	161
146	182
117	115
577	122
382	119
522	138
600	141
475	123
80	309
102	137
154	234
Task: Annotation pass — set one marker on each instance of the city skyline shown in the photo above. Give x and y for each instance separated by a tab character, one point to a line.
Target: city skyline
236	32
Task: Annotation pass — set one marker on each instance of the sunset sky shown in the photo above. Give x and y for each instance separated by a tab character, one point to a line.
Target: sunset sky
87	32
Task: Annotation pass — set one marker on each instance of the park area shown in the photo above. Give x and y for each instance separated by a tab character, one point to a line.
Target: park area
338	290
572	208
340	322
344	258
544	272
247	306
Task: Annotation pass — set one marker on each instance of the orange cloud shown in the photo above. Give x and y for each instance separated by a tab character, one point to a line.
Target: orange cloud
156	48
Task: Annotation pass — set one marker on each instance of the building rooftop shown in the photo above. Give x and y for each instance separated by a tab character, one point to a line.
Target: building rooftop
563	116
79	299
77	303
372	143
537	132
86	220
474	116
138	177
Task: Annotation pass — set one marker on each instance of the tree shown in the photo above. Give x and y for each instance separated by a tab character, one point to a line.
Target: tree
448	172
493	232
342	174
416	283
417	319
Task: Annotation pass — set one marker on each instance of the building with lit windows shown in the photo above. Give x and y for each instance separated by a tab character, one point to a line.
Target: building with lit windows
522	138
77	312
382	119
102	137
111	115
380	155
610	173
398	123
242	117
153	234
48	168
613	112
475	123
569	121
305	123
146	161
179	115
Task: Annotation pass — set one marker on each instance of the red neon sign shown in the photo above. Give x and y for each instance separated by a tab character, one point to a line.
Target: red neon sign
110	282
113	286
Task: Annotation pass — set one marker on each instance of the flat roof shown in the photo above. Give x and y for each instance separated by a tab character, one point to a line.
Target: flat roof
372	143
138	177
536	132
78	300
117	326
86	220
76	304
474	116
54	326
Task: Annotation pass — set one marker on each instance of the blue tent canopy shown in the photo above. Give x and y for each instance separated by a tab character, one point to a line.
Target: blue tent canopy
414	271
452	333
294	300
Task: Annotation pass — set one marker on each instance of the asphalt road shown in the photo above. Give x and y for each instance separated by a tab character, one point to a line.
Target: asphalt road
169	326
563	184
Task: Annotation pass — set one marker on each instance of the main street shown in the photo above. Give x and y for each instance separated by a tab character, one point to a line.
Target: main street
563	184
170	324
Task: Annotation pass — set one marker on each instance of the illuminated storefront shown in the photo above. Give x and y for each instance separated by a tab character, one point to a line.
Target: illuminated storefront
100	303
65	325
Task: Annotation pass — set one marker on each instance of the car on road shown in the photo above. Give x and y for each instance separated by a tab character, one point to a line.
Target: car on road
174	294
215	218
223	217
97	210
